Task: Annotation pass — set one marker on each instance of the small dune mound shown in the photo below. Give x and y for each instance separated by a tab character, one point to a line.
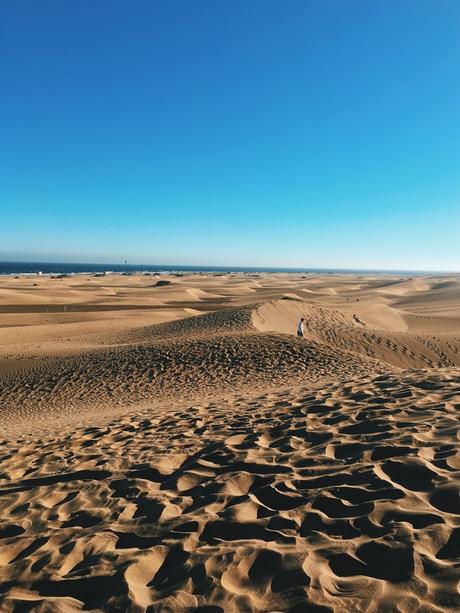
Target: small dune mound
406	286
209	324
162	283
293	297
206	325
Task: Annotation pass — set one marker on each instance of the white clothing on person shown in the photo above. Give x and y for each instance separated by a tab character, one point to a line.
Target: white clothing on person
300	328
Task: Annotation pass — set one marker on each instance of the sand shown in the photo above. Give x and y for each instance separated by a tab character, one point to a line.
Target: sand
169	444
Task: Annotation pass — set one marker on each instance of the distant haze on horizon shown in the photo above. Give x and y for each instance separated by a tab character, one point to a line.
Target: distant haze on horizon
301	134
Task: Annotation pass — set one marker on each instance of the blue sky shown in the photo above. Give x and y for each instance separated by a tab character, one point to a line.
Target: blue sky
297	133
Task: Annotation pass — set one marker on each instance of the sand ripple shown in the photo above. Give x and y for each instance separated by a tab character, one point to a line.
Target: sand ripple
342	497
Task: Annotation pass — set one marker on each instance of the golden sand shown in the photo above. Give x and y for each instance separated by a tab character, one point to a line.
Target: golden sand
174	446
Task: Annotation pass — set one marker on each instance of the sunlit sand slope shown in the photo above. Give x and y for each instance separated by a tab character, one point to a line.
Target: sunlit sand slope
377	331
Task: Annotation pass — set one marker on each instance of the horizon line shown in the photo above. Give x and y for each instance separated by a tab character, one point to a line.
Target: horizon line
240	267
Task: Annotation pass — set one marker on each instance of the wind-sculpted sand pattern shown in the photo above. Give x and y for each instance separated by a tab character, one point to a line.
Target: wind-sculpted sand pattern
42	394
336	498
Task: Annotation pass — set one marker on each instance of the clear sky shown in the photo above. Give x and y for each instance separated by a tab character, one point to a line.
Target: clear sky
253	132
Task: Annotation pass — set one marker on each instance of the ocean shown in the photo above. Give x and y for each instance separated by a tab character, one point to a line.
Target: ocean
67	268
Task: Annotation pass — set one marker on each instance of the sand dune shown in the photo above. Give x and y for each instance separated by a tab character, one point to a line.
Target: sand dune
375	331
174	446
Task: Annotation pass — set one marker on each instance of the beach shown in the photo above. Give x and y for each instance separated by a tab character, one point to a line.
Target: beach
169	444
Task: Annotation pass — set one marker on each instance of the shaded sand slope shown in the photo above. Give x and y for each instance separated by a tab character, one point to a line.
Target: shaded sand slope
339	498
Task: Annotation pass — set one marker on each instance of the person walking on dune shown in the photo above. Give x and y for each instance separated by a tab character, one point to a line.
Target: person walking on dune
300	327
